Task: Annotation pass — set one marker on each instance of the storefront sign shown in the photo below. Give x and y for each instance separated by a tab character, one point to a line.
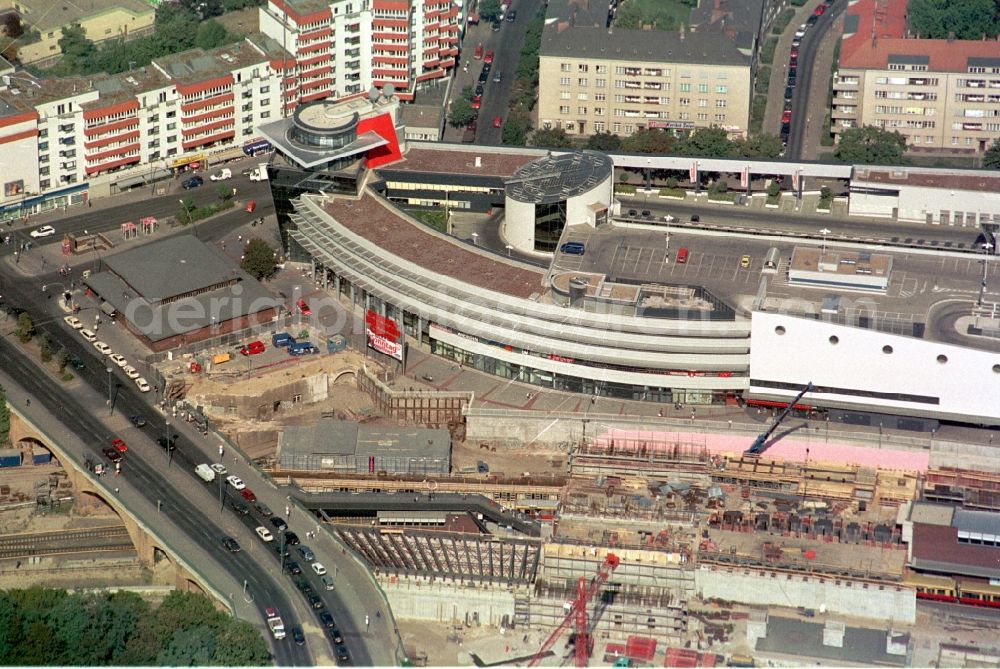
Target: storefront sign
382	326
386	346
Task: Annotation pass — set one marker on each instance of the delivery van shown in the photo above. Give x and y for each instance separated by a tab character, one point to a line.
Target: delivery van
205	473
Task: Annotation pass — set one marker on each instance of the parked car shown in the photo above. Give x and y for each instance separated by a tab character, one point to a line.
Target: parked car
336	635
326	618
231	544
88	335
327	581
745	262
306	553
786	116
489	57
477	101
193	182
253	348
119	445
342	654
143	385
820	10
222	175
318	568
131	372
291	539
44	231
138	421
316	601
497	122
240	508
263	509
73	322
248	495
264	534
293	567
303	308
497	76
102	348
789	90
811	21
236	482
572	248
118	359
511	16
298	636
279	523
112	454
219	469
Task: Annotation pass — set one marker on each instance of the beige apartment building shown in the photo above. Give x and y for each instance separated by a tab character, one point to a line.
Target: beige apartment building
101	20
595	80
942	95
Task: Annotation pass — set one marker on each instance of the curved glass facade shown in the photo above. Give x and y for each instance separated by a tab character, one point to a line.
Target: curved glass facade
550	219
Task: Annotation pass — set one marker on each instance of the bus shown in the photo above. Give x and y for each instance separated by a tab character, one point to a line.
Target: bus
771	261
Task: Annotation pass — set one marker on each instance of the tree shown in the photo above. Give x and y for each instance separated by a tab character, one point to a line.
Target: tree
188	648
991	159
516	129
25	327
189	206
489	10
774	188
78	51
4	441
12	26
604	141
45	349
461	113
258	259
869	145
211	34
240	645
707	143
629	15
760	145
551	138
649	140
224	192
967	19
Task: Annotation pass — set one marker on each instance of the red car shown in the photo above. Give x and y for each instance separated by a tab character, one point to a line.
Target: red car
497	122
303	308
479	51
119	445
786	116
477	101
248	495
253	348
489	55
819	10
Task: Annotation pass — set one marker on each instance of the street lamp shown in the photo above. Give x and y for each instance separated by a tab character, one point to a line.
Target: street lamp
824	232
110	406
982	285
166	443
475	238
509	247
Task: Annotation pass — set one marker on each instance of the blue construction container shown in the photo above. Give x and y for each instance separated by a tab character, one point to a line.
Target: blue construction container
10	457
42	458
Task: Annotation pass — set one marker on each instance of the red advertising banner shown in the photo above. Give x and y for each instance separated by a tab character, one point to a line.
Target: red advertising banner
745	177
693	172
384	345
796	175
382	326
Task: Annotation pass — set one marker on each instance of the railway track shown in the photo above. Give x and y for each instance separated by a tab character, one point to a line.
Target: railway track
90	540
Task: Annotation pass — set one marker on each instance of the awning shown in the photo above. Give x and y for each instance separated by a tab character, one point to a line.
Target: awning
132	182
187	160
259	145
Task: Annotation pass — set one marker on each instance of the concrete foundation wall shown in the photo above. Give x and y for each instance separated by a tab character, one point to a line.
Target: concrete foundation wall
447	602
839	596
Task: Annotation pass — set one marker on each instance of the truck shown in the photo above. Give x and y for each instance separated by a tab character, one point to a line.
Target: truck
205	473
302	348
274	622
279	339
259	173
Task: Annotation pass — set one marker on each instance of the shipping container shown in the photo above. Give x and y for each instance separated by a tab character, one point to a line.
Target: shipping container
10	457
41	458
640	648
220	358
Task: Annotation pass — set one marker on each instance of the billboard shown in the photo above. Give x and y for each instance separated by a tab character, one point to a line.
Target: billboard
383	335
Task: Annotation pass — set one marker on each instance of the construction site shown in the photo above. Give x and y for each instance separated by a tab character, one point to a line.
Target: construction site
637	547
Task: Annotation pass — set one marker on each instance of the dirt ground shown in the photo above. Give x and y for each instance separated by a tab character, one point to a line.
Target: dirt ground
509	462
449	646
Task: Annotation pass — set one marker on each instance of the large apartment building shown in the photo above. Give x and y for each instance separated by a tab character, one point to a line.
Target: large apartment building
593	79
943	95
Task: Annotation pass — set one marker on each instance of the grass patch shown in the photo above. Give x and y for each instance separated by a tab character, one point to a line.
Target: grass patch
782	21
757	111
722	197
927	160
797	3
763	80
67	376
662	14
433	218
625	188
774	199
827	157
672	192
767	51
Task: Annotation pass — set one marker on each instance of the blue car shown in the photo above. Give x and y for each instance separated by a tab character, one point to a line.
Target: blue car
193	182
572	248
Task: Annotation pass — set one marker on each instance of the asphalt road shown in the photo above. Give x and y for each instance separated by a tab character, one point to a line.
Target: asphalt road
129	207
804	109
80	412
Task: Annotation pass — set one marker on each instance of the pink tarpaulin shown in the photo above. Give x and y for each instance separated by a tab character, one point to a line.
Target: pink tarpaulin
788	449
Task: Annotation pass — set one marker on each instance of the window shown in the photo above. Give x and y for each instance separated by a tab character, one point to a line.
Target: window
582	111
600	97
684	116
581	67
685	88
564	109
599	126
703	88
684	102
721	89
43	146
702	102
564	95
265	114
172	126
599	111
601	69
617	127
564	81
720	104
720	117
264	90
702	117
565	67
172	114
581	96
601	83
153	144
582	81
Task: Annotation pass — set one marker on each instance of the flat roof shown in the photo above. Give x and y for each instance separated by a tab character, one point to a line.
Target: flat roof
422	116
387	228
975	180
195	65
931	514
936	548
838	261
173	266
554	178
642	46
341	437
800	638
278	133
46	15
473	161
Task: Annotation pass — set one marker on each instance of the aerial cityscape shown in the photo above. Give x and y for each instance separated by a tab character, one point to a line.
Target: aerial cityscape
631	333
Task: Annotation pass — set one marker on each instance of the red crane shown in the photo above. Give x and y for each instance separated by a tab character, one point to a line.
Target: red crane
578	614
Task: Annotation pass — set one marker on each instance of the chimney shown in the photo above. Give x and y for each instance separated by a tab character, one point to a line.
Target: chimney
951	36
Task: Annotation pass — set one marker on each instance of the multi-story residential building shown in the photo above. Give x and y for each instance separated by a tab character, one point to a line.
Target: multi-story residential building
341	48
100	19
593	79
65	139
943	95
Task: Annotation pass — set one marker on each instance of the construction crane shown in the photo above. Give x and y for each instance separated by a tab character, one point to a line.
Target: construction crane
578	614
760	443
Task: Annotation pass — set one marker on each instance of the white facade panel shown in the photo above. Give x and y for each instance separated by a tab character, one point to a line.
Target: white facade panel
959	382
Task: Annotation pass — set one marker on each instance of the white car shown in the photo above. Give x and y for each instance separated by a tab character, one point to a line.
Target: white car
118	359
264	533
73	322
131	372
88	335
219	469
44	231
103	348
318	568
143	385
236	482
222	175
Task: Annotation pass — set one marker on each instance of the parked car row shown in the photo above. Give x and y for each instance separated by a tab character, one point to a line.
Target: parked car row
793	64
106	351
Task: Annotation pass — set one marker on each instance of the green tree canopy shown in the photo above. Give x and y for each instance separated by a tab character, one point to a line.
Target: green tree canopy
4	441
551	138
760	145
461	113
991	159
706	142
869	145
489	10
604	141
25	327
211	34
516	128
258	259
75	45
967	19
649	140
